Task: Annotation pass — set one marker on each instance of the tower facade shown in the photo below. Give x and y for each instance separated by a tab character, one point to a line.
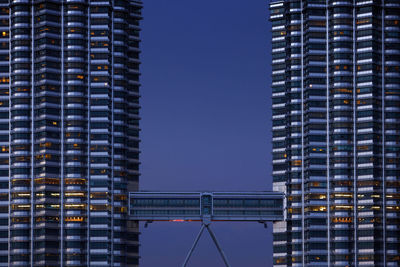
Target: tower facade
69	132
336	131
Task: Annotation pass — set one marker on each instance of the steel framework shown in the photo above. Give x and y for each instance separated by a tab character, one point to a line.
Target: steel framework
206	207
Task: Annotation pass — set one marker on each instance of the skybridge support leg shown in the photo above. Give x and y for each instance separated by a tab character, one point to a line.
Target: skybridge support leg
194	245
214	238
221	252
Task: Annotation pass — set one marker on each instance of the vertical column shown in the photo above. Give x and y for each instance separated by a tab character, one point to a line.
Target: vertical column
391	76
328	163
302	139
75	136
89	97
21	162
62	182
112	130
355	236
383	133
9	132
32	238
131	129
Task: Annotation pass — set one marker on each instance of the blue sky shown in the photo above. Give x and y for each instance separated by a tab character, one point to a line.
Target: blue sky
206	120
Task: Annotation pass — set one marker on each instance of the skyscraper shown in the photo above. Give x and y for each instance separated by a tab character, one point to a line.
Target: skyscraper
69	132
336	131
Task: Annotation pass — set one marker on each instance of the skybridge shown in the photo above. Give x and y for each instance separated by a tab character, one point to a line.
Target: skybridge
206	207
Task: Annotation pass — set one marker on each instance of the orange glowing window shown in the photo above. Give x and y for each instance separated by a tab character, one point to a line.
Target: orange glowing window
4	80
75	181
99	207
48	181
75	206
74	219
297	163
315	184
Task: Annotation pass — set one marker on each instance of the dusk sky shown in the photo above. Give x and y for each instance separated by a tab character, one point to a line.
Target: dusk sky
206	121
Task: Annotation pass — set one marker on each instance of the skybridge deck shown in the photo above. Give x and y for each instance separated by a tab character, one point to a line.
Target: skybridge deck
214	206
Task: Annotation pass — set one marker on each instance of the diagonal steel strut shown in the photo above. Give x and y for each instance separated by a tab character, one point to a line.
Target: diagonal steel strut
221	252
194	246
214	238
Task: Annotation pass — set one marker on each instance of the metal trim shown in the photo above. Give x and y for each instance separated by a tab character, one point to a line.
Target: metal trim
354	137
88	139
383	134
62	142
302	138
328	188
9	138
33	127
112	133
